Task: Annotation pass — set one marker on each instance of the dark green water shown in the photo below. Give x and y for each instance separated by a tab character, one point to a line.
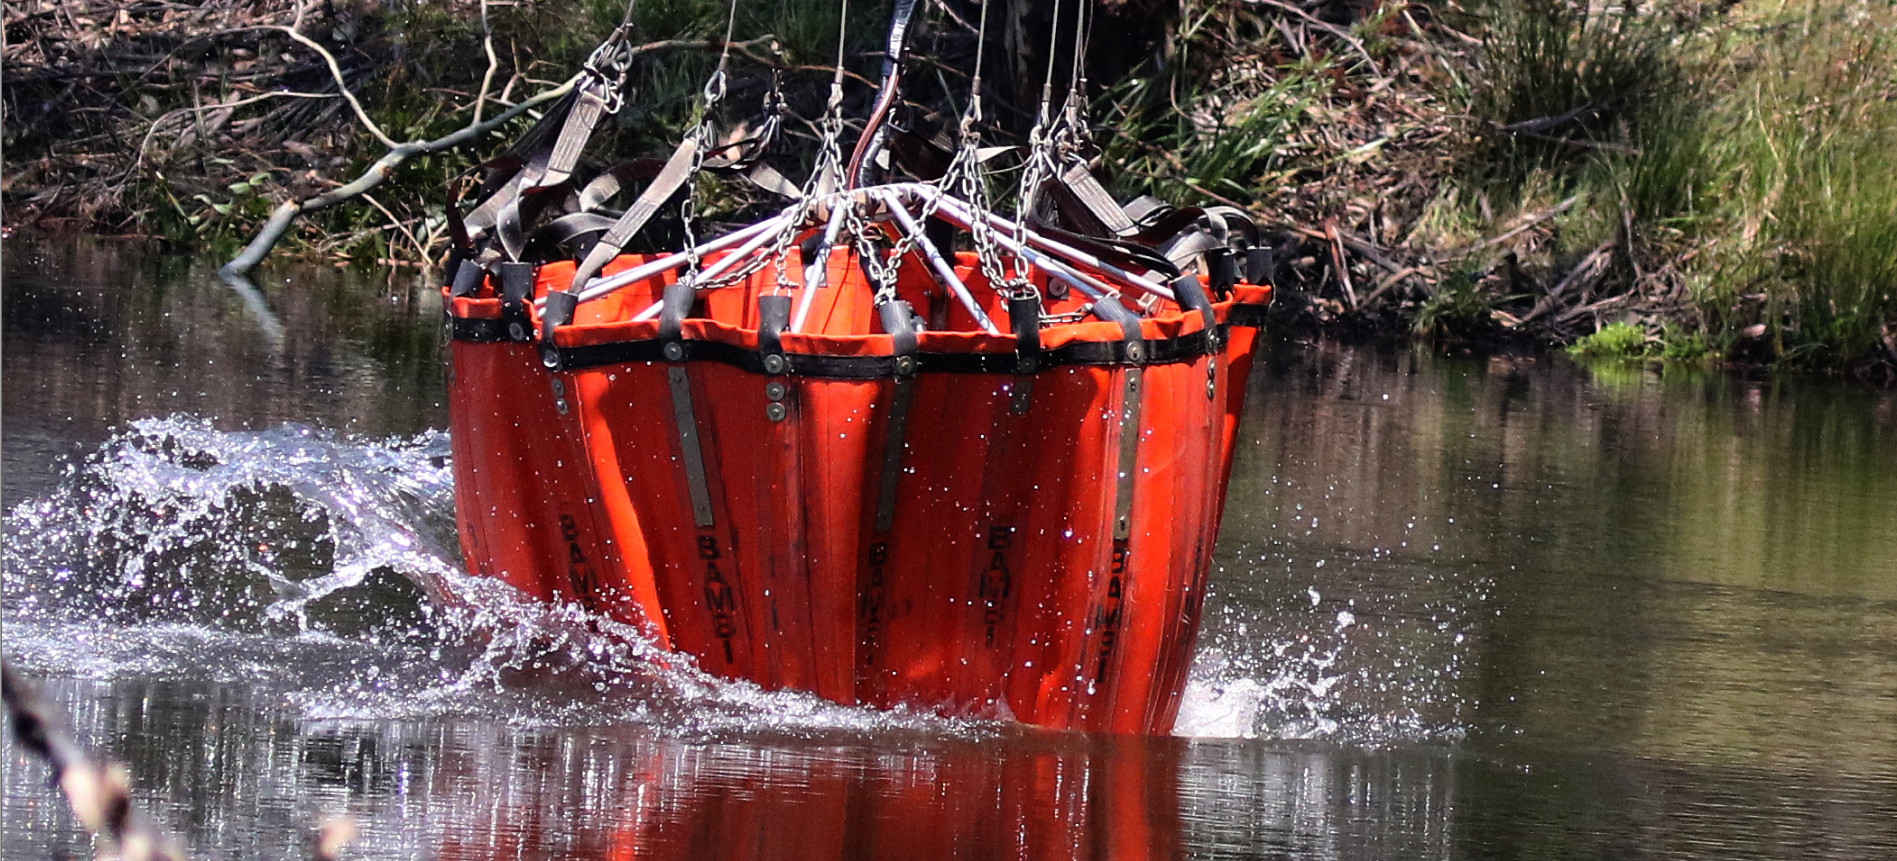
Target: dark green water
1465	608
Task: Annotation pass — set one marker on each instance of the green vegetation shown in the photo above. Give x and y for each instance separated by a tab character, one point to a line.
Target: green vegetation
1614	341
1802	188
1740	160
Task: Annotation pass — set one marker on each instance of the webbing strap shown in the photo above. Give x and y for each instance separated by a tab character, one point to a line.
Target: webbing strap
1192	296
574	133
1024	312
1080	184
568	226
480	222
671	178
1164	223
1123	254
1131	395
1191	244
767	178
691	455
615	179
896	321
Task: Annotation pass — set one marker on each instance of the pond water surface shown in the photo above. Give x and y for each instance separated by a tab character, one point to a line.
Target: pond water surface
1464	607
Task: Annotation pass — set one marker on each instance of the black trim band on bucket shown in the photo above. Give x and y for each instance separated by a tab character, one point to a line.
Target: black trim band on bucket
1157	352
1162	351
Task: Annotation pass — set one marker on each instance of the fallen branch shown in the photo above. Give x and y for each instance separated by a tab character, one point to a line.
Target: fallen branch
286	213
1351	241
1392	280
1589	269
336	72
384	167
1343	265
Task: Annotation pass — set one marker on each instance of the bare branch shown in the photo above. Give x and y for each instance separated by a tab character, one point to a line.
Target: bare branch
493	62
1517	230
144	143
336	71
420	249
383	168
98	792
399	154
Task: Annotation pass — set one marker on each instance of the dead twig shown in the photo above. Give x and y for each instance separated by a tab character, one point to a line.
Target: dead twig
1327	27
144	143
493	63
1342	264
1518	229
1351	241
336	72
286	213
98	792
1392	280
420	250
1589	269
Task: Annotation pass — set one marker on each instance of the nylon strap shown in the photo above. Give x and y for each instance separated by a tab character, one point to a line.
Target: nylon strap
615	179
1080	184
671	178
574	133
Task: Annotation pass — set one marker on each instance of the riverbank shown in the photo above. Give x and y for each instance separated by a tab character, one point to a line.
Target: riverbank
1686	182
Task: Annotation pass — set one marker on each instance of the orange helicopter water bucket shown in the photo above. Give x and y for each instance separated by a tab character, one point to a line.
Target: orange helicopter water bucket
1004	505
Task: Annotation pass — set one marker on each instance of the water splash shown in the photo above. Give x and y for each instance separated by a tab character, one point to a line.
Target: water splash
324	567
1284	662
175	521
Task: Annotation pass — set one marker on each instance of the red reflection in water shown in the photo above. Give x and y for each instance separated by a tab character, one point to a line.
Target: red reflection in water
1063	797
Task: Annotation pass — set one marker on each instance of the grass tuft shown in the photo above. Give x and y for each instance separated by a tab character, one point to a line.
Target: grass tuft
1614	341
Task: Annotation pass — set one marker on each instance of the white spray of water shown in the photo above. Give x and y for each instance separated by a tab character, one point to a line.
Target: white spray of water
324	566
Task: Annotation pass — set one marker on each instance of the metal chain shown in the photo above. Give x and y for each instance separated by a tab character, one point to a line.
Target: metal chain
930	205
965	176
873	261
701	136
829	162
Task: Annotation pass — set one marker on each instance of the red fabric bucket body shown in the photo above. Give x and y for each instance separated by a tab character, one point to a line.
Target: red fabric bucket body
951	528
